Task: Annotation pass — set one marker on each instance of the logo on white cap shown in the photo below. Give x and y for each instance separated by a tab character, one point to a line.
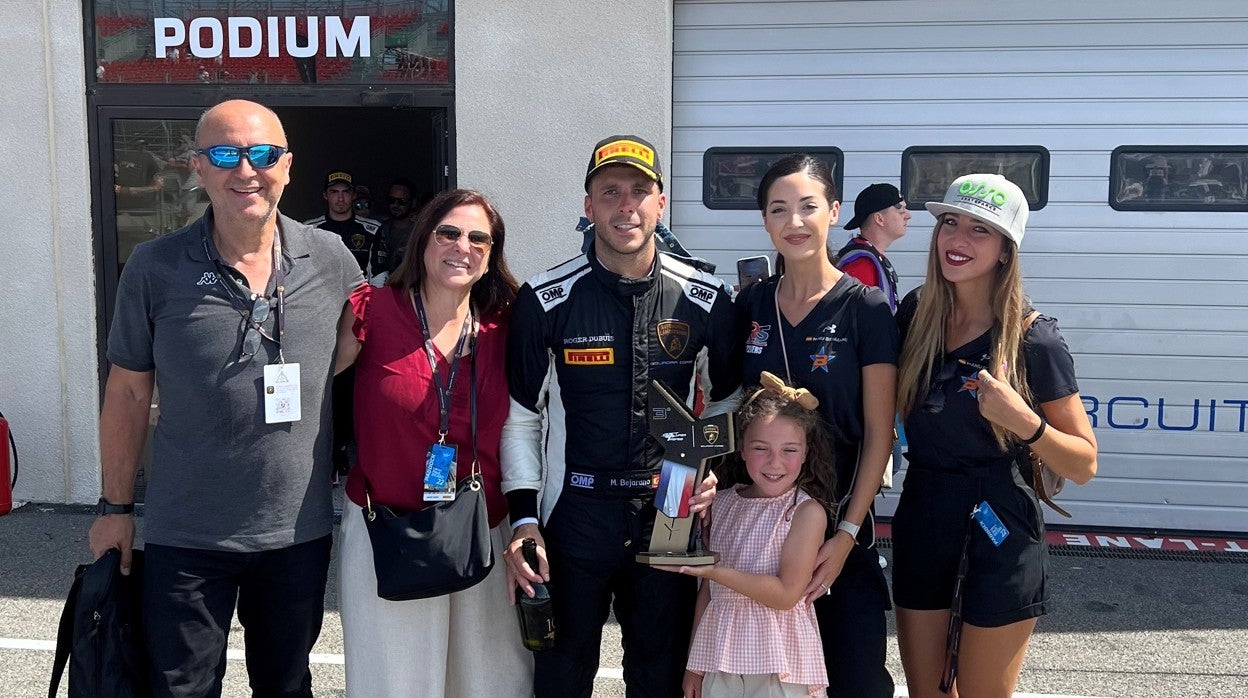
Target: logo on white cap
991	198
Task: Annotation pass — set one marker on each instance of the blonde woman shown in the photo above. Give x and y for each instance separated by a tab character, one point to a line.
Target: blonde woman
969	555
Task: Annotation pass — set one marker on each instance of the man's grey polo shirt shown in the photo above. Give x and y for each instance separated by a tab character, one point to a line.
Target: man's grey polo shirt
222	479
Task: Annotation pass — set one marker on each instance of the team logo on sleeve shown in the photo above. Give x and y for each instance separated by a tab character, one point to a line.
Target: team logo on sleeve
673	337
757	341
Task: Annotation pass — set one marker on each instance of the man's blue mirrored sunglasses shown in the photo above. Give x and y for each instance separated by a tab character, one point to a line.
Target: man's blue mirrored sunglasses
227	157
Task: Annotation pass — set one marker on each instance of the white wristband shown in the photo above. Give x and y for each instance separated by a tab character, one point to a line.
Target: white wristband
850	528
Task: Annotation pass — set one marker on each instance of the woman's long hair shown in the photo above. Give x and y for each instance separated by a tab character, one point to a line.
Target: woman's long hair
495	291
818	476
925	341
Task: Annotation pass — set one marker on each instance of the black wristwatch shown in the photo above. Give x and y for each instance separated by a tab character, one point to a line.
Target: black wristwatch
106	507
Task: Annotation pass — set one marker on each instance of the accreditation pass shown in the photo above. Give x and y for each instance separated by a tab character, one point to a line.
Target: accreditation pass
281	393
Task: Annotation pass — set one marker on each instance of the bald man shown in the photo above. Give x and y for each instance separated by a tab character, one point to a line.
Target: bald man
234	317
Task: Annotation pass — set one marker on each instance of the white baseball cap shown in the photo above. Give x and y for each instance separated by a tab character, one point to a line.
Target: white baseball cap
992	199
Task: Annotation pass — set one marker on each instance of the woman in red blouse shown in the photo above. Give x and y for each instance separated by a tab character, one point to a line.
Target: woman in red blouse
453	284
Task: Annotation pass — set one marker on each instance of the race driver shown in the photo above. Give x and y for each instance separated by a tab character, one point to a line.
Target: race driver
586	338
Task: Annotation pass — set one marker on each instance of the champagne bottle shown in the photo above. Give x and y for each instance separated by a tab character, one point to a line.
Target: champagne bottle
537	614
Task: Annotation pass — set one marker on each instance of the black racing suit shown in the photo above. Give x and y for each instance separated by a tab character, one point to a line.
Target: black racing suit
363	237
583	345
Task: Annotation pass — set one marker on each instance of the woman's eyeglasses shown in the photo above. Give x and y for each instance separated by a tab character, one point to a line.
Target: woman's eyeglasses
227	157
255	333
447	234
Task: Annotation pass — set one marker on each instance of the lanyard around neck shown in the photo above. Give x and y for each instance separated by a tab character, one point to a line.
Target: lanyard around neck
444	392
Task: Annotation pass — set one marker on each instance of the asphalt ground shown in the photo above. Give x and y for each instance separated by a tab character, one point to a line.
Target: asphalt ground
1121	626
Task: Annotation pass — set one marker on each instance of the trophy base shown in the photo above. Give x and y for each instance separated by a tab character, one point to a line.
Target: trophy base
700	559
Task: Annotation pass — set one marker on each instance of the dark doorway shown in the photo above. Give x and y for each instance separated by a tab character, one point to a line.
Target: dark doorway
374	144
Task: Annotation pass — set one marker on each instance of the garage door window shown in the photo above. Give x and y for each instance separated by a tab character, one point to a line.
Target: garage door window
927	171
730	176
1179	178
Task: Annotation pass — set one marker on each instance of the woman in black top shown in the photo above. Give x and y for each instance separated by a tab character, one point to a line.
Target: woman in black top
968	535
824	331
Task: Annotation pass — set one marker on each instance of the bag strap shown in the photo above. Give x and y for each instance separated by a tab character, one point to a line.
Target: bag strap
65	635
13	445
1031	462
1027	321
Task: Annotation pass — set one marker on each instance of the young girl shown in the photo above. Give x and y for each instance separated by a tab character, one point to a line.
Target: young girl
752	634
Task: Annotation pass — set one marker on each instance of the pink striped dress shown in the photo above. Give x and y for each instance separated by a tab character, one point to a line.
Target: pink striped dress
738	635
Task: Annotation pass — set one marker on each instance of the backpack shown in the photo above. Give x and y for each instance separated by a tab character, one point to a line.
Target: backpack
883	268
100	635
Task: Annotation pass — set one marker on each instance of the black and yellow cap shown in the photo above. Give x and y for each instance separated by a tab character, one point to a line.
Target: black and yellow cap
338	177
625	150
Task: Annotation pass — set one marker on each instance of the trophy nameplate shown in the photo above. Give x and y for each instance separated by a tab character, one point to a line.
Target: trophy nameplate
687	443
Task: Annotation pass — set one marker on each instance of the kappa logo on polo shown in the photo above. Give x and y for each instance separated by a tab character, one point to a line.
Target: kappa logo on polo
208	279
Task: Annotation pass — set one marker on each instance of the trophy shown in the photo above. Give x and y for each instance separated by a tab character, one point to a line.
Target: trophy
687	445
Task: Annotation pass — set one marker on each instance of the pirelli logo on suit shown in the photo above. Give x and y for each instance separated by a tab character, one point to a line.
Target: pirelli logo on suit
589	357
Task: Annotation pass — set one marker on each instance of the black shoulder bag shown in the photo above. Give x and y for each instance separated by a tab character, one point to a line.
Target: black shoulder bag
445	547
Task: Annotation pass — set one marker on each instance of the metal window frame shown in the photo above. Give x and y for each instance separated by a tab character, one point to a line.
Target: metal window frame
1169	150
916	203
710	201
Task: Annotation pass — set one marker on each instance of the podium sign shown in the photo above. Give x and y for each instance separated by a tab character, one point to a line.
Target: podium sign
687	444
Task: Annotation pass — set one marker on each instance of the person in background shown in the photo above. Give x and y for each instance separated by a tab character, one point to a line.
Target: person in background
880	217
363	201
396	230
978	386
361	237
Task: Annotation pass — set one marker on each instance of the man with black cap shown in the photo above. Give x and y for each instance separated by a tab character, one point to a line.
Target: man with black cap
358	233
586	338
880	216
362	237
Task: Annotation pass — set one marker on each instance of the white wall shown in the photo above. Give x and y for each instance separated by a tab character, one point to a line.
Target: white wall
48	386
536	86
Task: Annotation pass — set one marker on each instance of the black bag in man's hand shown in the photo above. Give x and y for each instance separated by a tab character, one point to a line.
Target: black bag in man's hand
101	633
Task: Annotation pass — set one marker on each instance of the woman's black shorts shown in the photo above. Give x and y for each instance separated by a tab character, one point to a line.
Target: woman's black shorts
1004	584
